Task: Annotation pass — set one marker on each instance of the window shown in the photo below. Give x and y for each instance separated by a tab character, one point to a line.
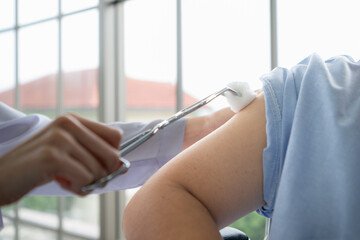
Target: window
220	46
141	60
213	52
50	50
150	59
328	29
7	58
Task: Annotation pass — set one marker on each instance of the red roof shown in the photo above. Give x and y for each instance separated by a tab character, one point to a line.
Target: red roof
80	90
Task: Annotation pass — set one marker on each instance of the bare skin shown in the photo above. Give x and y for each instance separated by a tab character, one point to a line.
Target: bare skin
71	150
212	183
199	127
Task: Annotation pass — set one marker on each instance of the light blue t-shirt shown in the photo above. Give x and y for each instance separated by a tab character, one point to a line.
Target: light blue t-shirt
312	159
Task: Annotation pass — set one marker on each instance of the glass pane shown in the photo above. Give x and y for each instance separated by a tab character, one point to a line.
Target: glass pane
81	215
33	233
7	14
34	10
7	68
233	46
71	6
38	66
224	41
8	210
329	29
8	233
150	59
66	237
41	210
80	63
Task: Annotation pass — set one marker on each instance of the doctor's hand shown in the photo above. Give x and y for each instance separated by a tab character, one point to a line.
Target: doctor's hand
71	150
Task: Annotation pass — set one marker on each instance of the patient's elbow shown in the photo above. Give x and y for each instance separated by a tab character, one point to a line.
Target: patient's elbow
166	210
132	221
142	216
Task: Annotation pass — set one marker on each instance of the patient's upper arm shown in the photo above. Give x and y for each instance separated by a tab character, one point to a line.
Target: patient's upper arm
223	171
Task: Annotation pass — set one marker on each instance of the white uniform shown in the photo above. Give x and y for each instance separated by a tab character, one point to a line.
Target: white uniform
16	127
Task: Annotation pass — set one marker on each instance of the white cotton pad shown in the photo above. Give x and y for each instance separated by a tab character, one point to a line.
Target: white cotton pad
238	102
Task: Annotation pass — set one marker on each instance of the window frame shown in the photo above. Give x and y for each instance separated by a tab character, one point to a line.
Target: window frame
15	219
112	96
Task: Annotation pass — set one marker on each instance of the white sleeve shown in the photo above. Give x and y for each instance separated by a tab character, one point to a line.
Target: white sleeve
16	127
145	160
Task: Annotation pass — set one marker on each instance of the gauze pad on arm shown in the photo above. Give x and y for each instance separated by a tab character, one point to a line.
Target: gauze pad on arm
237	102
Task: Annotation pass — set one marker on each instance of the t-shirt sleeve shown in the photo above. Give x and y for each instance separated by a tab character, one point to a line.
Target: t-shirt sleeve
272	87
299	103
280	88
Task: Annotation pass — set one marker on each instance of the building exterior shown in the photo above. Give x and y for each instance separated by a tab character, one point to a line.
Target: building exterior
145	100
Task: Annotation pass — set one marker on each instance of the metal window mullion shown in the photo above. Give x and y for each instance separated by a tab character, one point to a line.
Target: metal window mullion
273	63
79	11
53	18
60	215
101	62
59	107
7	30
38	22
179	80
273	34
16	221
112	102
59	110
117	109
116	60
49	228
31	223
120	100
119	49
16	102
106	102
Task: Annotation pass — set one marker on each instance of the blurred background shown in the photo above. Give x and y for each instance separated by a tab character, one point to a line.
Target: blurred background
140	60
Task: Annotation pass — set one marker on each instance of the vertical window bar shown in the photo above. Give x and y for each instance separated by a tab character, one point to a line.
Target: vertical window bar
116	60
120	80
16	102
120	99
59	110
16	221
101	113
60	204
116	105
179	85
59	107
104	115
273	64
273	34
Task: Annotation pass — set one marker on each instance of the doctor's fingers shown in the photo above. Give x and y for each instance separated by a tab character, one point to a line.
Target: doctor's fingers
68	145
71	174
106	154
109	134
